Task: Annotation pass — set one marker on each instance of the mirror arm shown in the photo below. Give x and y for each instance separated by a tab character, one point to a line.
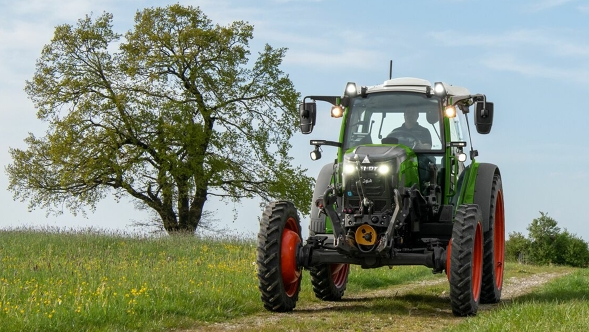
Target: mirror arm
333	100
324	142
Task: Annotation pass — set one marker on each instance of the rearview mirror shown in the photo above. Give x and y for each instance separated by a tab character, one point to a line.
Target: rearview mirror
308	113
432	116
483	116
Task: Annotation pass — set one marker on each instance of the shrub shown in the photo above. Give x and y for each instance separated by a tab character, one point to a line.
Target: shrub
547	244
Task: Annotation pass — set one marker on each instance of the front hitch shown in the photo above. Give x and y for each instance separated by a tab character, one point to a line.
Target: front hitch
325	205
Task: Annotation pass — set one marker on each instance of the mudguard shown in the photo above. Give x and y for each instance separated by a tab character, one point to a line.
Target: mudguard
317	223
482	190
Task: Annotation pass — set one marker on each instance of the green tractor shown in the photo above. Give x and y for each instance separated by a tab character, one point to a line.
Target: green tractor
398	193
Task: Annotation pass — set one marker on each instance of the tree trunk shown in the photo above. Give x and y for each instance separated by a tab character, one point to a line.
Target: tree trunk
197	207
169	220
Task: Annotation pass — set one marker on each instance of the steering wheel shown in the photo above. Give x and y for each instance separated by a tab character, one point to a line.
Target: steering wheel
403	137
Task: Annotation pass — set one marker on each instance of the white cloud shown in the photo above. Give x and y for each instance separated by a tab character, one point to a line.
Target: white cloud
548	41
52	10
348	58
548	4
547	53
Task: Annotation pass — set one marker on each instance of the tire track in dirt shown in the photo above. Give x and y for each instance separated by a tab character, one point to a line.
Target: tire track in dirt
512	288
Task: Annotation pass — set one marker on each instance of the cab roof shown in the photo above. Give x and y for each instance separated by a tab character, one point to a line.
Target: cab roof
412	84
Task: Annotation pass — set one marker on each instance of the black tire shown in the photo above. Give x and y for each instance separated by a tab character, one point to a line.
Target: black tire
489	195
466	256
494	247
329	281
278	242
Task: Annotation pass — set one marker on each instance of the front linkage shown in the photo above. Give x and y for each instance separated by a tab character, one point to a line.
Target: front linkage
343	250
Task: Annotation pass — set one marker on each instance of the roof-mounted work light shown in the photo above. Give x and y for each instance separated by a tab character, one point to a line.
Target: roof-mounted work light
351	89
439	89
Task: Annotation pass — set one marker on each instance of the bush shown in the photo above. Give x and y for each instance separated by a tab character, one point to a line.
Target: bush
547	245
516	247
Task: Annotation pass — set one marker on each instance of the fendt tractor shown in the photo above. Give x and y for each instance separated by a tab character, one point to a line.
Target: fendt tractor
398	193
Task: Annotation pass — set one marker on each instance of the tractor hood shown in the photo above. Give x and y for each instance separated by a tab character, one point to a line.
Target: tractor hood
375	154
368	160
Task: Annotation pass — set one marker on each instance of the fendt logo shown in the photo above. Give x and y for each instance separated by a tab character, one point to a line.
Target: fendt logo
369	168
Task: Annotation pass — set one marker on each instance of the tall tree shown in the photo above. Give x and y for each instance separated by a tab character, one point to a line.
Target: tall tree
176	115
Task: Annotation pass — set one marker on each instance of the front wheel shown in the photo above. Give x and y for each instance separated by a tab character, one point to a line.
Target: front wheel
466	260
278	242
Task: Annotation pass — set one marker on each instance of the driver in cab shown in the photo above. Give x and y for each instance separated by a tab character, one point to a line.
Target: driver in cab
413	130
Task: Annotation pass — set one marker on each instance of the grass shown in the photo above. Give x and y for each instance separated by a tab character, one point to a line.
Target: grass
88	281
561	305
98	282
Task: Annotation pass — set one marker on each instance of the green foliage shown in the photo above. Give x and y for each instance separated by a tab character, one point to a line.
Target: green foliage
516	246
547	244
177	115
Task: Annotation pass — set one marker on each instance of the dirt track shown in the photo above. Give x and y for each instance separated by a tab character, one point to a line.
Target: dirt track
420	319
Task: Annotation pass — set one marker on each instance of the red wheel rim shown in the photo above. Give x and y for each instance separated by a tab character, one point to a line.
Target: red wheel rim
499	240
339	274
477	262
288	258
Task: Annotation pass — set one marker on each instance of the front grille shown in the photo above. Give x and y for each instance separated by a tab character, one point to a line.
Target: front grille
379	204
376	188
374	185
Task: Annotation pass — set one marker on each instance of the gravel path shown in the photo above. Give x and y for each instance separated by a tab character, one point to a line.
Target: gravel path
512	288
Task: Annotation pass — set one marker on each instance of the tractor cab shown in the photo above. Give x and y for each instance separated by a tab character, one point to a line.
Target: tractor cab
397	118
411	113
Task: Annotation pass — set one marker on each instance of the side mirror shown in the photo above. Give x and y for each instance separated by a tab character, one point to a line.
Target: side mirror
432	116
308	114
483	116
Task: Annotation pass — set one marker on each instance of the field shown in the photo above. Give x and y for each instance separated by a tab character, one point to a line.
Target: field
88	281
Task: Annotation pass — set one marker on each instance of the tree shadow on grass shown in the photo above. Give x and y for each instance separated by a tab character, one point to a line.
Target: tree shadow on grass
554	296
406	304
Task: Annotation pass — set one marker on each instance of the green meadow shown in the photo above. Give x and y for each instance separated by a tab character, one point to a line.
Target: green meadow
100	281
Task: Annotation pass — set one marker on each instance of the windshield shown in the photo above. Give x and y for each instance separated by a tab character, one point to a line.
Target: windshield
405	118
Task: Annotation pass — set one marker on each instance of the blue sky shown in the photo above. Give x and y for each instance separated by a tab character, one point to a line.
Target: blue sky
531	58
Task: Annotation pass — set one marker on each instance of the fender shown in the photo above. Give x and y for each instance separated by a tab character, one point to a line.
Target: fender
317	224
482	189
477	188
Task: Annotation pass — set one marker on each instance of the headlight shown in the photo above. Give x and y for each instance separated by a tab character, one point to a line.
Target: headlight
349	169
337	112
450	112
384	169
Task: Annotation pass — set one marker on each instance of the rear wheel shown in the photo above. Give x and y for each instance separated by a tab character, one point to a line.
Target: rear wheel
329	281
278	242
494	246
466	260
